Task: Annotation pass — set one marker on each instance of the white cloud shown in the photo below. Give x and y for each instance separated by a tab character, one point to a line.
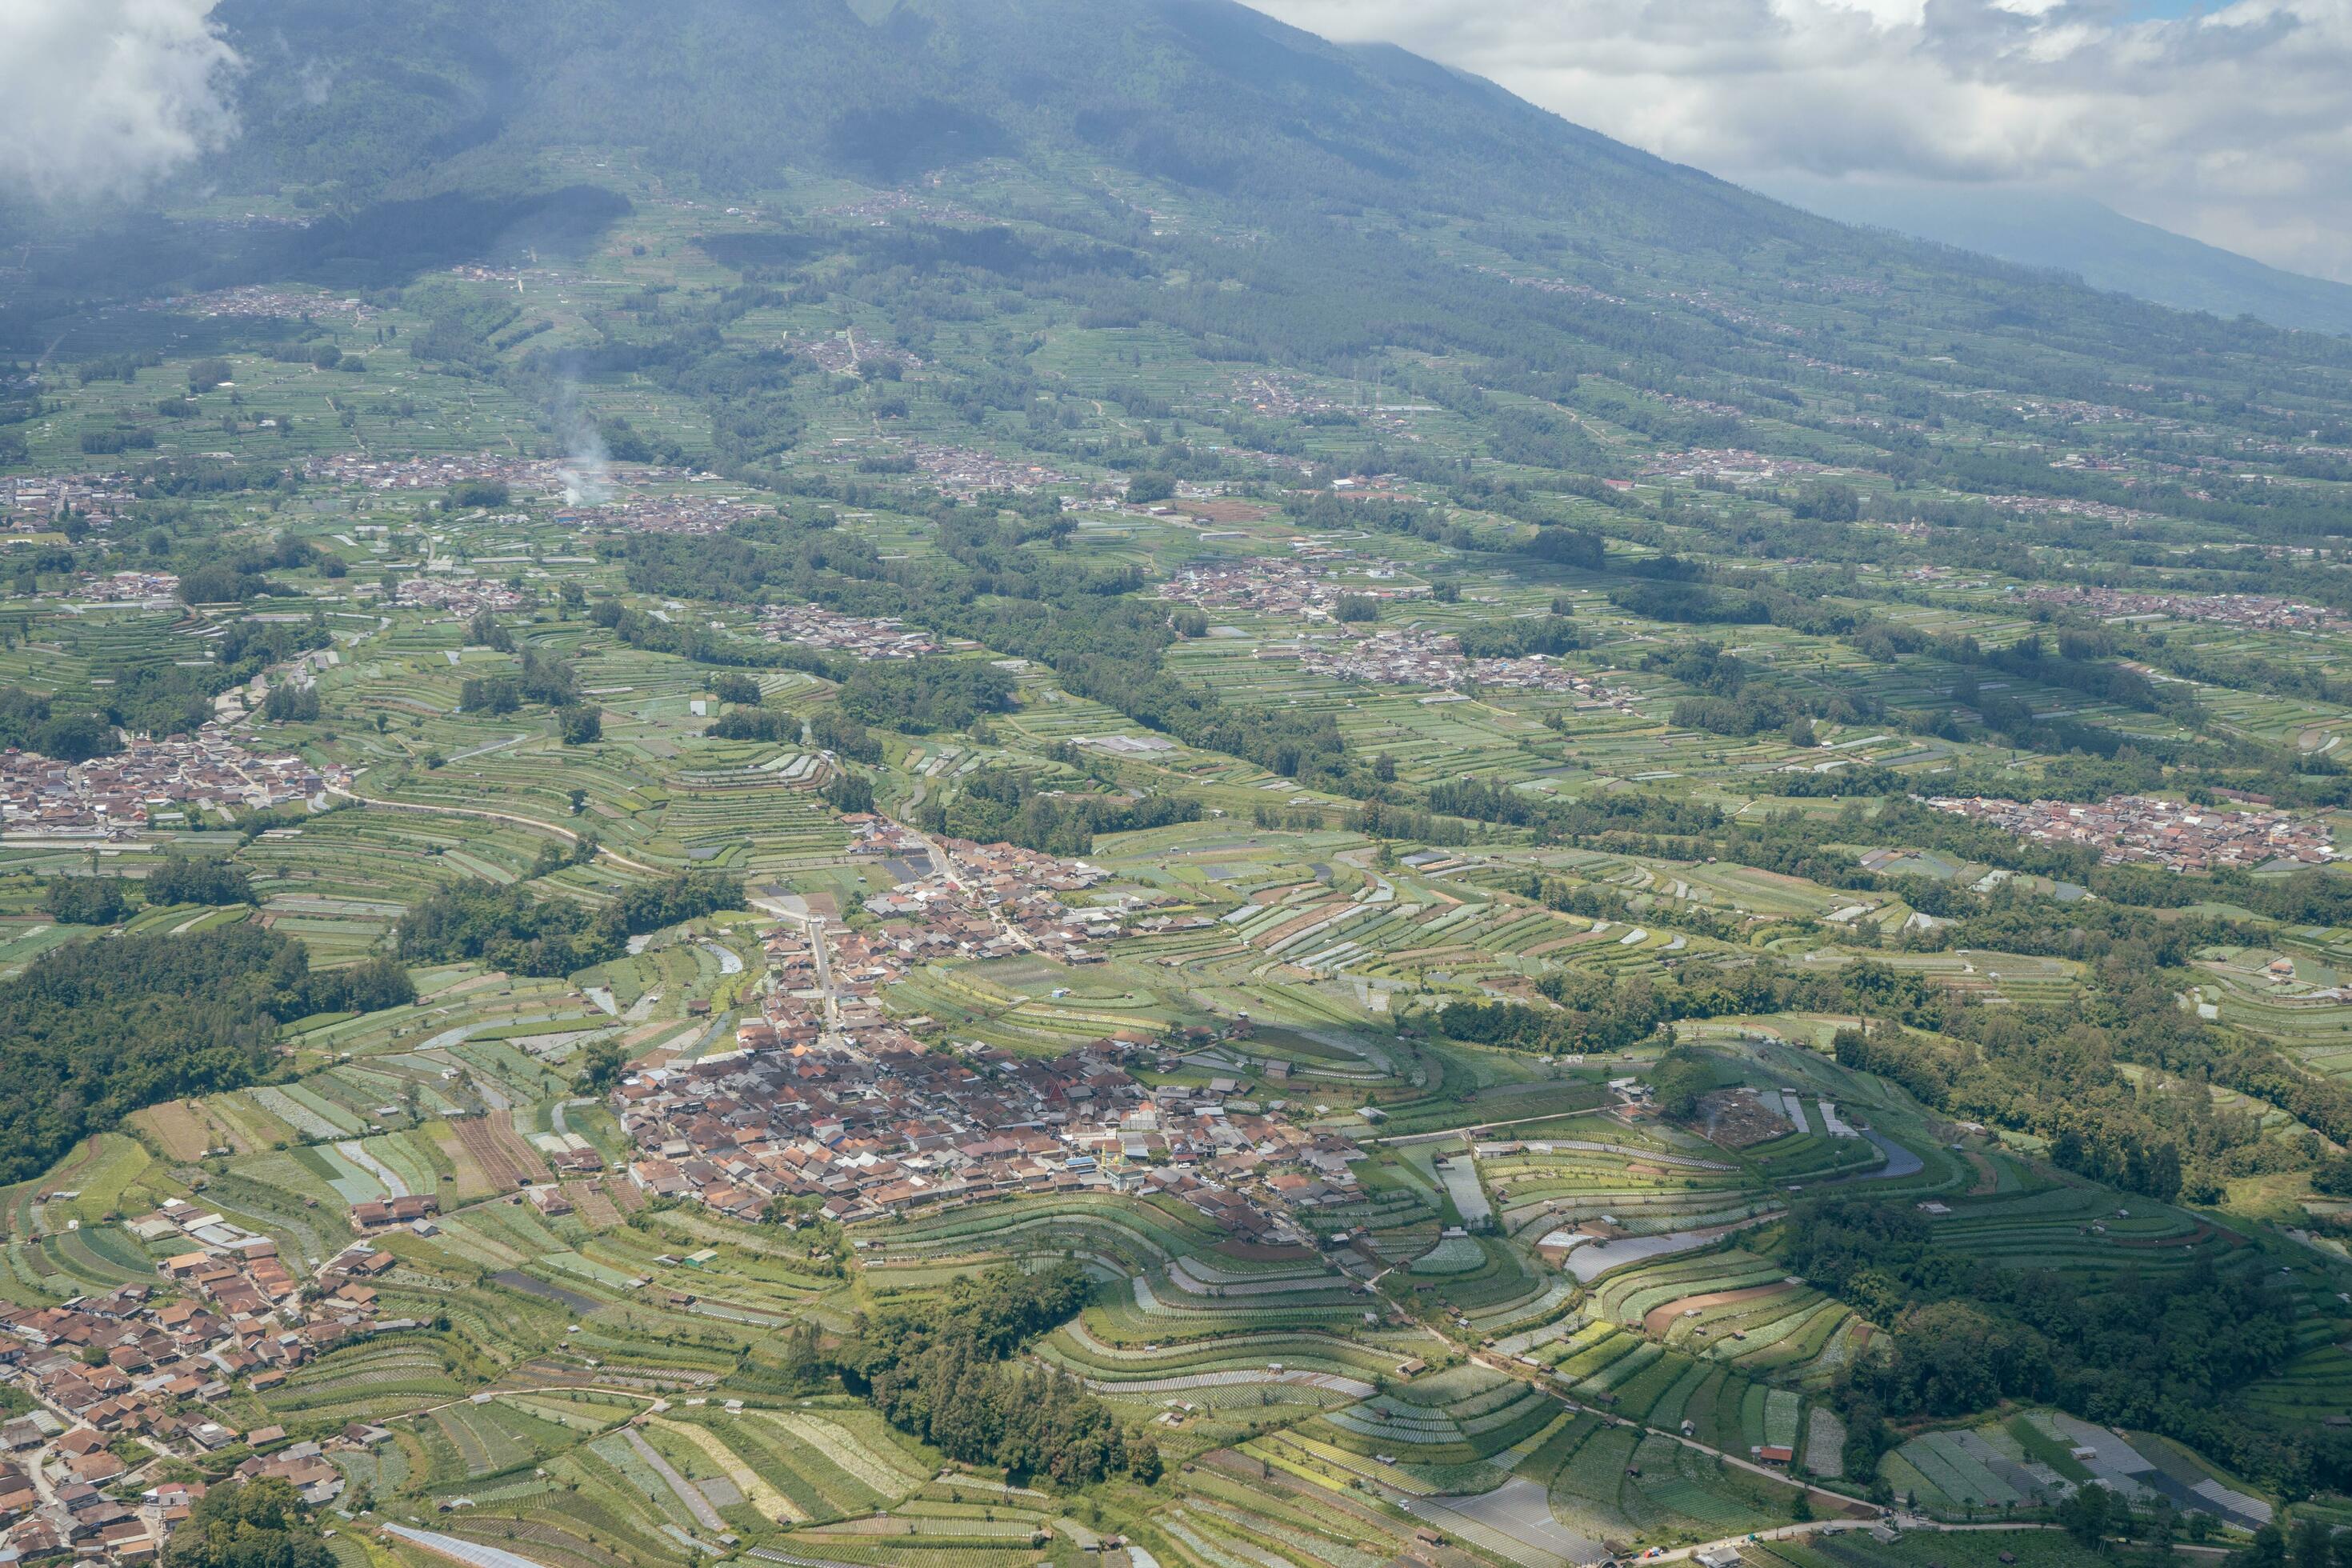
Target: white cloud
102	97
2230	124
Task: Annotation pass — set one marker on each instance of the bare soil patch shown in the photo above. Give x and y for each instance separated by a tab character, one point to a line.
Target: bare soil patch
1736	1119
179	1129
1224	510
1660	1319
505	1159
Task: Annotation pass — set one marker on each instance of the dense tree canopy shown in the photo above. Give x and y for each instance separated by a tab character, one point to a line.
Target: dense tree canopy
1002	806
260	1524
941	1371
88	900
2165	1351
511	928
185	879
100	1029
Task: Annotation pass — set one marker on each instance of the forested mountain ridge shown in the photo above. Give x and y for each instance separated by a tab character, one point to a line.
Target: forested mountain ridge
1200	147
2078	235
1204	94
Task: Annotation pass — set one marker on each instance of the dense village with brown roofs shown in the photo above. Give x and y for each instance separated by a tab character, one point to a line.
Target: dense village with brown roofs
121	1384
36	503
829	1106
459	595
1310	585
152	589
861	1132
2127	829
819	628
149	781
2253	612
1436	659
966	474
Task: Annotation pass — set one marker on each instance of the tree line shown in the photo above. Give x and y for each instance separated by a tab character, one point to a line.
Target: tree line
1006	806
942	1370
2168	1352
179	880
2055	1072
100	1029
512	928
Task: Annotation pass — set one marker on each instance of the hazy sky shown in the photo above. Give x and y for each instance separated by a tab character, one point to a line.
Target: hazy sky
2230	123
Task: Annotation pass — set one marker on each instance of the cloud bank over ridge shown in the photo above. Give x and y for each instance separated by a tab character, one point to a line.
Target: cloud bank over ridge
104	97
2229	124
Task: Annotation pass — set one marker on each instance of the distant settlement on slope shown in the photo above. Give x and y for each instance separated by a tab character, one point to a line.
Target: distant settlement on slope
152	780
2132	829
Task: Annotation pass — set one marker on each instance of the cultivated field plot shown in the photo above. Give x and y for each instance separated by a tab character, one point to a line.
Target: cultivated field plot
1240	1504
1442	1430
1858	1549
2000	1466
1612	1483
1551	1290
1146	1235
2089	1234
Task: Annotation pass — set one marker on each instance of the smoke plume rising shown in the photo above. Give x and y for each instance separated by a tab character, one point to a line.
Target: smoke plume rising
587	468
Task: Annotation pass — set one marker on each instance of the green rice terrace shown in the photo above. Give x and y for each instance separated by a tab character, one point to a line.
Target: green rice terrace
851	835
1556	1307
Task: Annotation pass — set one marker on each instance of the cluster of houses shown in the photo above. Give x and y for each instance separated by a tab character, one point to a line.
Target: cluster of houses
845	353
829	1106
985	901
881	208
2254	612
119	1380
260	301
2069	506
967	474
666	511
823	982
1280	396
459	595
1309	586
855	1133
35	504
656	499
2135	827
437	472
861	964
151	781
1551	286
151	589
1412	657
76	1517
819	628
861	1132
1731	465
1731	310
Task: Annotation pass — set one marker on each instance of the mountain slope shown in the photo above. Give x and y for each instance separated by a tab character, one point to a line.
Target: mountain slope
1273	189
2101	247
1203	93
